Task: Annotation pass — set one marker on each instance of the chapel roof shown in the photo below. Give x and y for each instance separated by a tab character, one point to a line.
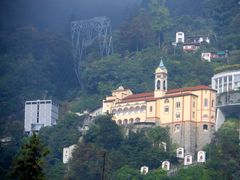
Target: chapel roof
149	96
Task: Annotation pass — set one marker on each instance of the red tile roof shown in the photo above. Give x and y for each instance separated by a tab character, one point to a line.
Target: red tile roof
149	96
194	88
178	95
140	95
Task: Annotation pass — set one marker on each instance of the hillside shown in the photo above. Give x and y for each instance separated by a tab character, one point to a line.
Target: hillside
36	63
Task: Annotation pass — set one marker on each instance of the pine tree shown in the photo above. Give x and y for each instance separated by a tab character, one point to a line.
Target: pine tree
28	164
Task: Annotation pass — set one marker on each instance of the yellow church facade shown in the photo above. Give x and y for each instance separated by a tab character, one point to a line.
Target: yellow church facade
188	112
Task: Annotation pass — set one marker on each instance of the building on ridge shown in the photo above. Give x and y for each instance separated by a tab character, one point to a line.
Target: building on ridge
188	112
38	114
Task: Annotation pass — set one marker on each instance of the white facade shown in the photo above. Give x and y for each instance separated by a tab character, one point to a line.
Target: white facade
166	165
187	160
38	114
144	170
67	153
191	47
226	81
180	37
180	152
206	56
201	156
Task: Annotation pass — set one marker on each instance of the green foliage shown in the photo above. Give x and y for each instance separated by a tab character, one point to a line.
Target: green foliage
160	18
194	172
34	65
87	162
227	68
136	34
127	172
28	164
135	150
105	133
224	151
86	102
64	134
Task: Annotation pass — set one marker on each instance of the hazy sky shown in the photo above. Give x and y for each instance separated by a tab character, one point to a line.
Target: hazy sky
54	14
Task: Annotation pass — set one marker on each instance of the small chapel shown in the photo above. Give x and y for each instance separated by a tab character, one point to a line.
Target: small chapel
188	112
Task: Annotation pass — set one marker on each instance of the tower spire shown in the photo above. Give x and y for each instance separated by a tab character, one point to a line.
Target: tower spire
161	65
160	80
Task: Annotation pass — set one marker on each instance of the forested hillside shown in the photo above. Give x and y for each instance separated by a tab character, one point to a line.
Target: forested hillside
36	62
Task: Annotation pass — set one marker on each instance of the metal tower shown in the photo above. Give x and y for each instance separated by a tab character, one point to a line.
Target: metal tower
85	33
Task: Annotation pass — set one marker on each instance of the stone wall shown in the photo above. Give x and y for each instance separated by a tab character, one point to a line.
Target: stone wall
191	136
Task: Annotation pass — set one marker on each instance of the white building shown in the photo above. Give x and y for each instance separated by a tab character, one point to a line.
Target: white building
144	170
226	81
201	156
38	114
187	160
216	55
198	39
206	56
180	152
67	153
180	37
166	165
191	47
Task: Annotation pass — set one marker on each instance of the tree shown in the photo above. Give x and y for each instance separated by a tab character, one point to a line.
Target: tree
136	34
28	164
160	18
104	133
87	162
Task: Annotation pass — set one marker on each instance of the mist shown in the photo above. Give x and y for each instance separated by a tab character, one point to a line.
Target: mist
56	14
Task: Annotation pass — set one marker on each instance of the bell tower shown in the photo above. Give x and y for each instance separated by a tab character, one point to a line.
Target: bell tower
160	80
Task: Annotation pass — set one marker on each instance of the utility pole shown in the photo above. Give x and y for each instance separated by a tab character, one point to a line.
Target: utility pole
103	169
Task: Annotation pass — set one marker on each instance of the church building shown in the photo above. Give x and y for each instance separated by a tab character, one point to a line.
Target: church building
188	112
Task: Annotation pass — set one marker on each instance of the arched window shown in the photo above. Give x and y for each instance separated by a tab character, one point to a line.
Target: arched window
205	102
119	121
164	85
205	127
131	109
158	84
177	128
137	109
166	101
131	121
212	103
125	121
137	120
205	117
151	109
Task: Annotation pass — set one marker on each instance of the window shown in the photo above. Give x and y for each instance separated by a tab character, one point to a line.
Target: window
166	101
193	104
158	84
177	115
166	109
193	115
205	102
205	116
177	128
212	103
178	105
150	109
164	85
205	127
